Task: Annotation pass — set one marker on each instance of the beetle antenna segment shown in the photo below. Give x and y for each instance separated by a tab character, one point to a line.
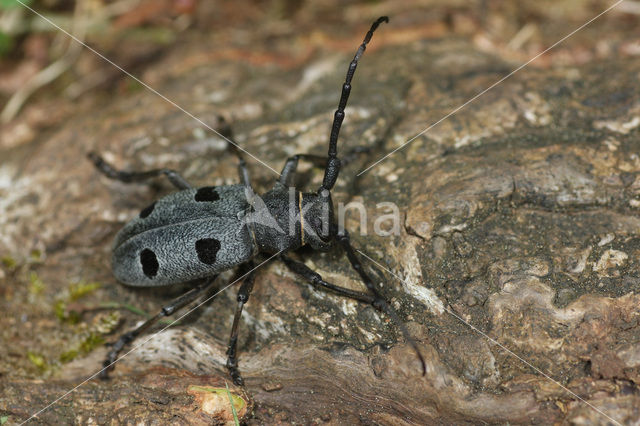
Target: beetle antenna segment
333	162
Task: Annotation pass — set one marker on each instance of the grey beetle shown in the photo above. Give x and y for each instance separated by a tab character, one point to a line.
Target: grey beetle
196	233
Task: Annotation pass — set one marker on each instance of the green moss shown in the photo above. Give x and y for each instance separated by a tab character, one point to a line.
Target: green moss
92	341
59	308
133	86
68	356
90	338
81	289
36	286
35	255
6	44
13	4
75	291
9	262
86	345
37	360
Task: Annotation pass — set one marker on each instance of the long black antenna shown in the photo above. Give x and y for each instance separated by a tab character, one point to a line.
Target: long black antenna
333	162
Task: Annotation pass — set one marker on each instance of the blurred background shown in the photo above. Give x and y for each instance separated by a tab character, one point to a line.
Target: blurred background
45	76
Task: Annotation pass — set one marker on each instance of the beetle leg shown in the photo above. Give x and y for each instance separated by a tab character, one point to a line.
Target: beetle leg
289	170
244	172
242	166
380	303
227	133
376	300
316	280
169	309
128	177
243	297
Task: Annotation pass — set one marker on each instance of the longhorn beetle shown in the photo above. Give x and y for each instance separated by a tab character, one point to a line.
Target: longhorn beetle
196	233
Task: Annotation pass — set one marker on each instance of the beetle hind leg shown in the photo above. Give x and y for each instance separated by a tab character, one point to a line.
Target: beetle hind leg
168	310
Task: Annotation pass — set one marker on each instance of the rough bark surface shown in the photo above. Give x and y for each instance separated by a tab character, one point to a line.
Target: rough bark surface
516	265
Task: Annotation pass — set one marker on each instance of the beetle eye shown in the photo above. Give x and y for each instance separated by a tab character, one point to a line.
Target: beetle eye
320	227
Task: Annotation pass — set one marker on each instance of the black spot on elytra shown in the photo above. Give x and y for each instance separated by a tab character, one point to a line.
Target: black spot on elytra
208	193
149	263
207	249
147	210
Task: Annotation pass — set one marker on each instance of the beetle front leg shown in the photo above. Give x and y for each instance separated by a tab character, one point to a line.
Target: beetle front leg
243	296
169	309
290	167
289	170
